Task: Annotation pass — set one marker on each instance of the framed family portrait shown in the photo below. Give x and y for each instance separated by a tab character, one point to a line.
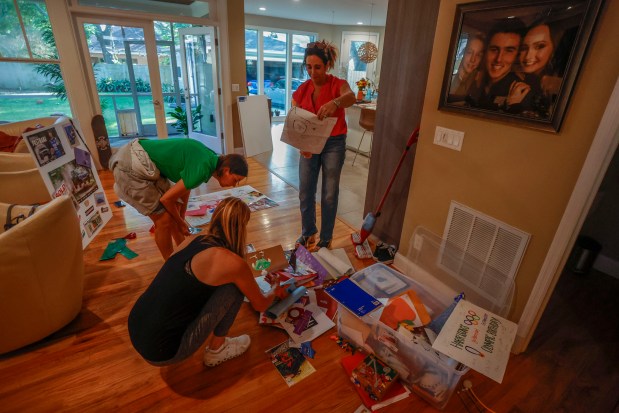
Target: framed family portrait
517	60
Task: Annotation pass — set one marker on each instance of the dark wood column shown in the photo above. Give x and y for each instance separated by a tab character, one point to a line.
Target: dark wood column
409	37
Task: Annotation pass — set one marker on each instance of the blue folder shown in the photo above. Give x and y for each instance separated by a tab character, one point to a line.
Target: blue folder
353	297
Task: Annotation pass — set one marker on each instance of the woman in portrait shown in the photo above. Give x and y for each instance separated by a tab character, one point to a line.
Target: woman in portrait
468	70
536	64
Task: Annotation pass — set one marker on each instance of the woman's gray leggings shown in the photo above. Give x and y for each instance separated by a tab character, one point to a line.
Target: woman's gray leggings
217	316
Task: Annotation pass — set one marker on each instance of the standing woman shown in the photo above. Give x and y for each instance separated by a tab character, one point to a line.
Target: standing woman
324	95
197	294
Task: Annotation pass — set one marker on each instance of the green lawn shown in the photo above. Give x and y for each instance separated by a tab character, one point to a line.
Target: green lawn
15	108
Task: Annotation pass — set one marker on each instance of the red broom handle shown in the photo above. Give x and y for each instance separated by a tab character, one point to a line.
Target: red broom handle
413	139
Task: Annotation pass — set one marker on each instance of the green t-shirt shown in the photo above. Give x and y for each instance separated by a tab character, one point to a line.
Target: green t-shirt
182	158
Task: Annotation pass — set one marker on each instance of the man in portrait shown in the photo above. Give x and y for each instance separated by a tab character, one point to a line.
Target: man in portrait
500	88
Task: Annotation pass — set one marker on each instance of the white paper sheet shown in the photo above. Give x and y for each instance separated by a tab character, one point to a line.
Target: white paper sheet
305	131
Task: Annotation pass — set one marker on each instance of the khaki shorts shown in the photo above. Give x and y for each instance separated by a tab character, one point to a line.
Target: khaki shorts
142	193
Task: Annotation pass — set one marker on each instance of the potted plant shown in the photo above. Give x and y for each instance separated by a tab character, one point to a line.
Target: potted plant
180	115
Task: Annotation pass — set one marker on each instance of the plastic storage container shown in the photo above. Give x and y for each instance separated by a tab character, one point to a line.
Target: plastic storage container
429	373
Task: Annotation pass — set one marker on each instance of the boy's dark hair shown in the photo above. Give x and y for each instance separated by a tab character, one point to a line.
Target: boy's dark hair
513	25
235	162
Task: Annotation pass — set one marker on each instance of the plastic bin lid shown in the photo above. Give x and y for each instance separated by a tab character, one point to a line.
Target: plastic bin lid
483	285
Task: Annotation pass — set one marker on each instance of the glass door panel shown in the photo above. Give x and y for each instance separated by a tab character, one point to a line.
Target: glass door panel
251	63
119	63
274	65
299	44
140	88
201	84
170	86
274	69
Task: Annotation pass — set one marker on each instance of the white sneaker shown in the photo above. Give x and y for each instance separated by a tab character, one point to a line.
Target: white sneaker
232	347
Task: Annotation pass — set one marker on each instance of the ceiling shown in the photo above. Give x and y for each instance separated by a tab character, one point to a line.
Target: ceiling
339	12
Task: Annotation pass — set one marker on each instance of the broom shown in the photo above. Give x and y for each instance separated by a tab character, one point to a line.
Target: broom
370	219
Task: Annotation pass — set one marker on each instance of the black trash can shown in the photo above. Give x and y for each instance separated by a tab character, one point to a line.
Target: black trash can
584	254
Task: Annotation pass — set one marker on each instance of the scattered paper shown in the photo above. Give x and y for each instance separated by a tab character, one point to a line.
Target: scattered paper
316	322
290	363
200	208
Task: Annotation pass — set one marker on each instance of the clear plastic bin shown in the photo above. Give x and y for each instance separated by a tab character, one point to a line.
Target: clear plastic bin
429	373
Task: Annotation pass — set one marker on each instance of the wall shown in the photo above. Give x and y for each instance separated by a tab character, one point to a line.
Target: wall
521	176
236	41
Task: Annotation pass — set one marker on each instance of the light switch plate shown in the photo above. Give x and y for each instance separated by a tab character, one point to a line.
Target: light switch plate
235	87
448	138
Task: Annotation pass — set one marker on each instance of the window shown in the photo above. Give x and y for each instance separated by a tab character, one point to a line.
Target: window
274	64
30	77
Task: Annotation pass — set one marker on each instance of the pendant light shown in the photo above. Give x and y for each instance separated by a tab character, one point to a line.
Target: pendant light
368	52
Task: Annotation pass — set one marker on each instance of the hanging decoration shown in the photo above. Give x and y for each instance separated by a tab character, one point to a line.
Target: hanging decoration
368	52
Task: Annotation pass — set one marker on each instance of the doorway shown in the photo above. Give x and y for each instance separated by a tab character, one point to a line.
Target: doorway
136	78
350	63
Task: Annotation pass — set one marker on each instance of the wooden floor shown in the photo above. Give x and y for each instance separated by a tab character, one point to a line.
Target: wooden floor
90	364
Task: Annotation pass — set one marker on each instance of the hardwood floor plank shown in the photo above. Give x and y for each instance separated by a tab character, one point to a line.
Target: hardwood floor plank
90	364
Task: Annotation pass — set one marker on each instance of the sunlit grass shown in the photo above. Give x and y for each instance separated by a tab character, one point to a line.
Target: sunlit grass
15	108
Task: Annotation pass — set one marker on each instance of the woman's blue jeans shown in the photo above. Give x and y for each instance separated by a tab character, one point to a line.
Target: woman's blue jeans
330	161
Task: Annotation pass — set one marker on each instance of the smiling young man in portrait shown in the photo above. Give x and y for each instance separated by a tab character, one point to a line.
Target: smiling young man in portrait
500	87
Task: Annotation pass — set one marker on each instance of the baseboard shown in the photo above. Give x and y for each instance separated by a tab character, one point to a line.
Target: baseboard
240	151
437	289
607	265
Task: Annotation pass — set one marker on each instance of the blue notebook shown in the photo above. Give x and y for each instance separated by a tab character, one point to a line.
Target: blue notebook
353	297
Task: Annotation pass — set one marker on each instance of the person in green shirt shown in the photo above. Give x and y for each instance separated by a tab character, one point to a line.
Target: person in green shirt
144	168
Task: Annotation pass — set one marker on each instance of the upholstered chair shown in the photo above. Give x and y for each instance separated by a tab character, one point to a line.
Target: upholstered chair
41	272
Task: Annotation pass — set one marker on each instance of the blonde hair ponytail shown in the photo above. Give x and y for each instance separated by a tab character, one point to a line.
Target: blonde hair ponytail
228	226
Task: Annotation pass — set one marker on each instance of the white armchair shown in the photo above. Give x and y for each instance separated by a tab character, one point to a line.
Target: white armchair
17	128
41	273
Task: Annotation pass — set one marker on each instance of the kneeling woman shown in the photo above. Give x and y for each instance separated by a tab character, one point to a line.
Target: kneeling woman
198	293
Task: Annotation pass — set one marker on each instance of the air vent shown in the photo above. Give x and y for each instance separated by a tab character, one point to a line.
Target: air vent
481	250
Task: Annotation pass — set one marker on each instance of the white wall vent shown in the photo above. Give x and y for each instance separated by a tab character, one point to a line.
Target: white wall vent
481	250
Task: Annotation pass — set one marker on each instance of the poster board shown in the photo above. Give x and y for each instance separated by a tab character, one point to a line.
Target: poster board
66	166
478	339
255	124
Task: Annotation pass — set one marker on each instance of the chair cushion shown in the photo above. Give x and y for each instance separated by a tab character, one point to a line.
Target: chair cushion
8	142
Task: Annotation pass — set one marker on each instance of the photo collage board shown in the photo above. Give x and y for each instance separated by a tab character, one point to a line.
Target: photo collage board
67	168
